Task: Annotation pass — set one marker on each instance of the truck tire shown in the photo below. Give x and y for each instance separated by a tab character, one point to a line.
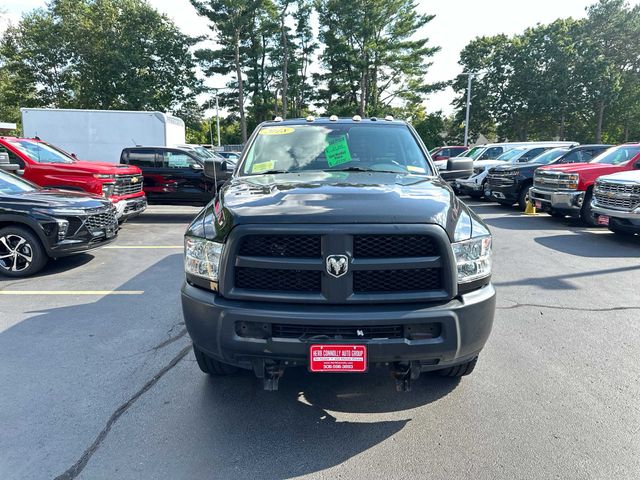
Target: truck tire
458	371
23	252
211	366
522	197
586	214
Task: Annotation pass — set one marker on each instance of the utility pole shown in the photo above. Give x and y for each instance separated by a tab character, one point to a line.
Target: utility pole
217	118
466	121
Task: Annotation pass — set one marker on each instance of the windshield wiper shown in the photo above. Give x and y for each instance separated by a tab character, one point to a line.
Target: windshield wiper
360	169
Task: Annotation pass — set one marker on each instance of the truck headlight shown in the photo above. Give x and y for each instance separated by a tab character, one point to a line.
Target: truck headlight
202	258
107	189
471	249
473	258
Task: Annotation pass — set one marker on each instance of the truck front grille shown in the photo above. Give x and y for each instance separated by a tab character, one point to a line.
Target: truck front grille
619	196
127	184
552	180
498	180
382	267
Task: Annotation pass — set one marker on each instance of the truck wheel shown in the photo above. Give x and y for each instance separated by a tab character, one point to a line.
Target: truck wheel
458	371
211	366
21	252
586	214
522	197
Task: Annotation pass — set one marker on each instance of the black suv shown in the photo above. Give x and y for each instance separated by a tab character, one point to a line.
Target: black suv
176	176
509	184
38	223
337	246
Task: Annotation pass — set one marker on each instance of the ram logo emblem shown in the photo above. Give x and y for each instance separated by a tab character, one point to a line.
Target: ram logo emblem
337	265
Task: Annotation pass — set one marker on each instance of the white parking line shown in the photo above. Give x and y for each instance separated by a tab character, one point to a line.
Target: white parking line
71	292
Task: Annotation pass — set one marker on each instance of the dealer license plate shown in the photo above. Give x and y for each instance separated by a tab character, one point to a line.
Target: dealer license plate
603	220
538	204
338	358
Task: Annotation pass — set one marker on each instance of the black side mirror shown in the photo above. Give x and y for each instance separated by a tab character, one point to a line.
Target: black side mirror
214	168
457	168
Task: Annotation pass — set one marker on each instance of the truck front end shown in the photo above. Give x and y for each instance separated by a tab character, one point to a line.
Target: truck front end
616	202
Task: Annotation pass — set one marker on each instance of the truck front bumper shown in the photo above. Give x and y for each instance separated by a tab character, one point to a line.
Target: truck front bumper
566	202
130	207
466	186
627	221
463	326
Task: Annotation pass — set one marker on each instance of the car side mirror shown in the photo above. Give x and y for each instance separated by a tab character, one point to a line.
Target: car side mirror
73	155
214	168
457	168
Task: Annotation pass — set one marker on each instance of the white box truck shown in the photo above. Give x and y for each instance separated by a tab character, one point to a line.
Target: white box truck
100	135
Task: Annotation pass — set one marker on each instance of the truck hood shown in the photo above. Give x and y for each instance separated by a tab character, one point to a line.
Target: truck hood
599	168
518	167
628	176
100	167
332	198
55	199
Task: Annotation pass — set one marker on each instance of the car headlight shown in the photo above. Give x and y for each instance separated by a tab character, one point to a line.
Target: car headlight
471	249
104	176
62	211
202	258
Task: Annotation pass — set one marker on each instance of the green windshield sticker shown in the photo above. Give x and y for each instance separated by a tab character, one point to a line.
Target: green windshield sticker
262	167
337	152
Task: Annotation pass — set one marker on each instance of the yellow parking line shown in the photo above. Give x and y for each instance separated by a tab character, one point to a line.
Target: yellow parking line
71	292
131	247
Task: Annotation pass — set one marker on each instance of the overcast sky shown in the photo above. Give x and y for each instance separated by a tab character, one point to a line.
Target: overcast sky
456	23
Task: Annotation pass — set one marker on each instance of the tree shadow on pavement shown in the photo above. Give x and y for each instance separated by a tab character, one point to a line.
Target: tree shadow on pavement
296	430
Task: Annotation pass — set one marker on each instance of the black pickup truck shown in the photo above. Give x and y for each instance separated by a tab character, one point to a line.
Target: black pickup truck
337	246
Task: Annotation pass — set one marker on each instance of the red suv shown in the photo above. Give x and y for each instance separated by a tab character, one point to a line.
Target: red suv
49	166
567	189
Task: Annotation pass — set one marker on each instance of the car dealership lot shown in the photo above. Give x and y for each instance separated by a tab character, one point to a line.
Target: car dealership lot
97	379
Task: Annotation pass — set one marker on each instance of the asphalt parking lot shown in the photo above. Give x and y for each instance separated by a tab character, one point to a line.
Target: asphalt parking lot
97	379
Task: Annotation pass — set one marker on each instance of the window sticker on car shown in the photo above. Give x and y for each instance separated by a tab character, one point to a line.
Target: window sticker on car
337	152
276	131
415	169
262	167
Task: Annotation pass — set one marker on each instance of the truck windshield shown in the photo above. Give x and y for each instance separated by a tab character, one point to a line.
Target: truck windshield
549	156
335	147
40	152
474	153
10	185
617	155
511	154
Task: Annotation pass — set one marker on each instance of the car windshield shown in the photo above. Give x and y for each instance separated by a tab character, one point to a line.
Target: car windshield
335	147
474	153
40	152
617	155
10	184
549	156
511	154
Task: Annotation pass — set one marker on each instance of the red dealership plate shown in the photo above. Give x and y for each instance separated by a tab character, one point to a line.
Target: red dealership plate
603	220
338	358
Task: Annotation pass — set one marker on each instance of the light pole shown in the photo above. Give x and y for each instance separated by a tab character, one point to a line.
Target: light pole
217	118
466	121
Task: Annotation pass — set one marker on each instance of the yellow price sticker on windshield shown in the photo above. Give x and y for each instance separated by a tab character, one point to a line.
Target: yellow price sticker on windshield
262	167
276	131
411	168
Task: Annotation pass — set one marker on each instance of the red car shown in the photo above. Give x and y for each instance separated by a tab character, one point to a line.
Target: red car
446	152
567	189
49	166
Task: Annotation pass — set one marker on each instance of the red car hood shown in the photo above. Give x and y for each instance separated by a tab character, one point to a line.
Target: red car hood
103	167
595	168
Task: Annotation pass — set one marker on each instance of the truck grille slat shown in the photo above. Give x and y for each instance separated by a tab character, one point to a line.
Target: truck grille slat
284	330
381	246
296	246
278	280
100	221
411	280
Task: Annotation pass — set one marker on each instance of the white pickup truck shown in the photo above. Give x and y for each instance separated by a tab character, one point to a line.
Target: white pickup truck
616	202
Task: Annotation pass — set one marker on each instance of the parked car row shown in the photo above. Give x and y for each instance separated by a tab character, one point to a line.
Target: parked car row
53	205
600	184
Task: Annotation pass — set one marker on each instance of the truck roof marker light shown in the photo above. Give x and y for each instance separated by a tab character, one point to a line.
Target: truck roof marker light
277	119
389	118
333	118
310	118
356	118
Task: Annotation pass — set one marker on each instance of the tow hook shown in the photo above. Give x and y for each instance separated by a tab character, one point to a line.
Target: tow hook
269	373
404	373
